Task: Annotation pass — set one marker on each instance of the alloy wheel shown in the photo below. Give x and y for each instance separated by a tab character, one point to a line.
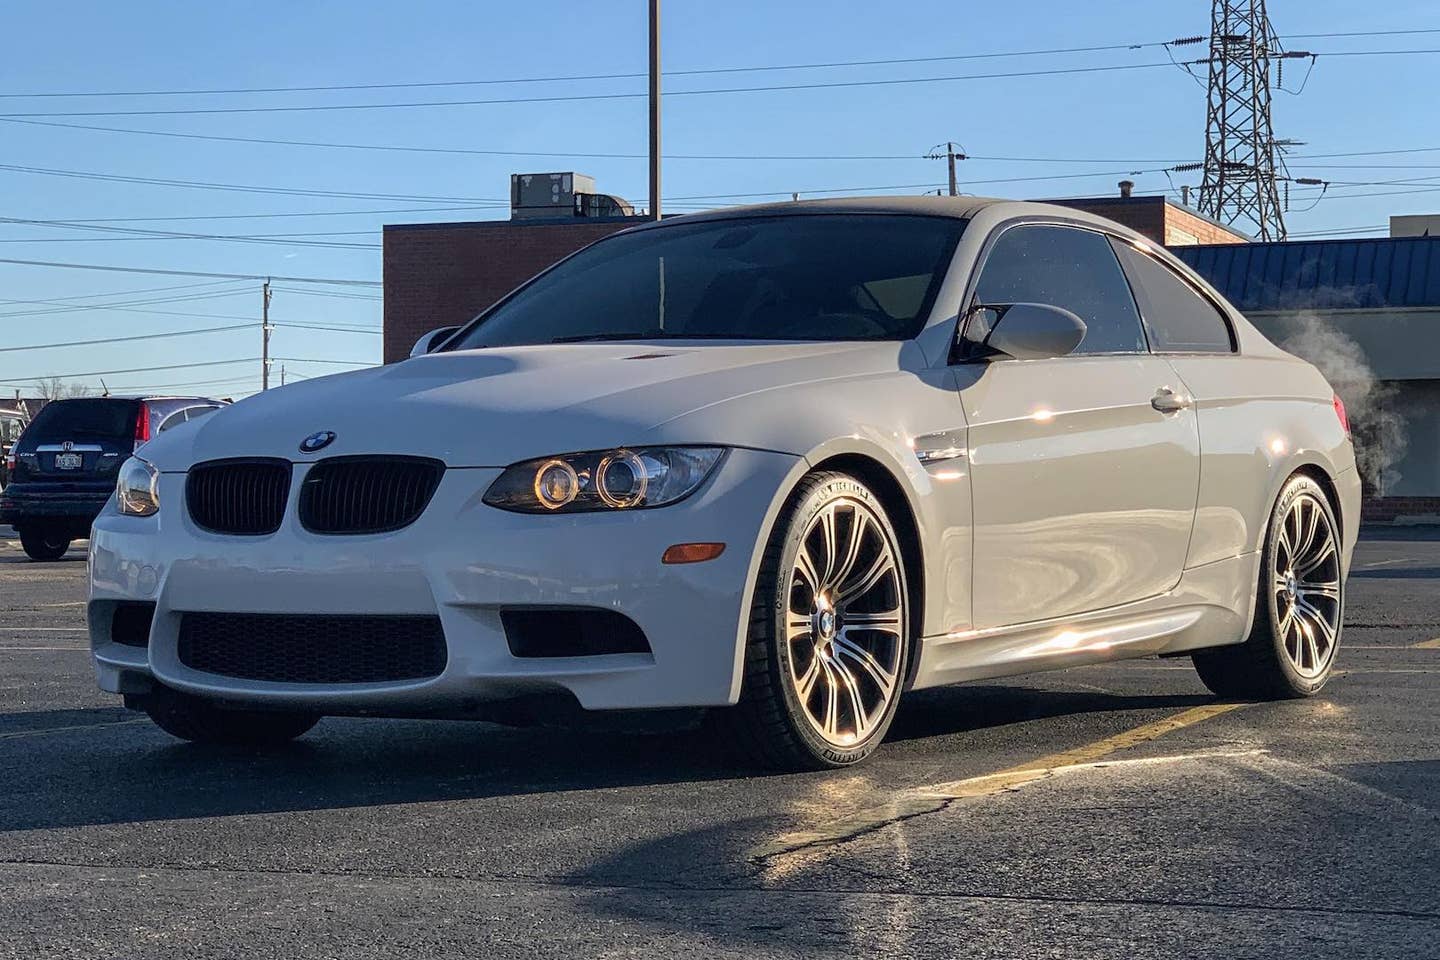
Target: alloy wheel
845	623
1305	582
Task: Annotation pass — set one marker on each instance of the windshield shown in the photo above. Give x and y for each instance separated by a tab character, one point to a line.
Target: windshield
98	418
810	277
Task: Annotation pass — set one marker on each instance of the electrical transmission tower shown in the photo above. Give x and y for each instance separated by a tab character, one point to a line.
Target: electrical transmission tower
1241	153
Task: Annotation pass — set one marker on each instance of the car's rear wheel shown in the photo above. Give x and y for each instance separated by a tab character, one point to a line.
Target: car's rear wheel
829	639
199	721
44	544
1299	606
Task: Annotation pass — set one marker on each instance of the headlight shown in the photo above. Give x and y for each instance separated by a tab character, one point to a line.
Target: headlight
137	489
604	479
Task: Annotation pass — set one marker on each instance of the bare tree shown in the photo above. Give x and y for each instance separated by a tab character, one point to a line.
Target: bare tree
57	389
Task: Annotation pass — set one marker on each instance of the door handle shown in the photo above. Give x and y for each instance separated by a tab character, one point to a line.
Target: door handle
1168	401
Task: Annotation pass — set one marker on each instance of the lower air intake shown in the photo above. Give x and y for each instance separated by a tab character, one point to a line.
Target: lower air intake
312	649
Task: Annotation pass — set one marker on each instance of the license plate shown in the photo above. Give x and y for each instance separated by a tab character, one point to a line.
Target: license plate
69	461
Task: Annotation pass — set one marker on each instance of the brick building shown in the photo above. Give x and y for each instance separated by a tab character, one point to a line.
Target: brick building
440	274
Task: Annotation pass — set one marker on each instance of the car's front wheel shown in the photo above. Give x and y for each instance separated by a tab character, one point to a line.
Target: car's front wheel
44	544
199	721
1298	608
829	639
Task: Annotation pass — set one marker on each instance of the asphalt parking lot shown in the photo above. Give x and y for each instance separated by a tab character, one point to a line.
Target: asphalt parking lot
1114	811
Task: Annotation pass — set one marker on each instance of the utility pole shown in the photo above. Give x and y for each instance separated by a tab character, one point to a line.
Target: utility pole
1239	184
654	109
282	374
265	329
949	154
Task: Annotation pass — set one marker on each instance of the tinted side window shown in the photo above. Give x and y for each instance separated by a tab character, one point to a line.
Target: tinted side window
1179	318
1070	268
174	420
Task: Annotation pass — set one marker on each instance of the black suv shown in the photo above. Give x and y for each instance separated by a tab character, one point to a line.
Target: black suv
62	469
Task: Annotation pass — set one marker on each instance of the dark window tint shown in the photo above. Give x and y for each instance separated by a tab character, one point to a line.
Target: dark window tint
85	419
1069	268
1180	319
174	420
811	277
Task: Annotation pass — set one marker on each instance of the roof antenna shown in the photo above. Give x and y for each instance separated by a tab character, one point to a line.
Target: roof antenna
104	387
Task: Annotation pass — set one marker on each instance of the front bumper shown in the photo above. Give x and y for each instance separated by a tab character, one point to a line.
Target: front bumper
464	562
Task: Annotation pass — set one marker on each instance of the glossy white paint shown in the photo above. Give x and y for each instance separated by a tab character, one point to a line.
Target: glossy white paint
1084	493
1061	517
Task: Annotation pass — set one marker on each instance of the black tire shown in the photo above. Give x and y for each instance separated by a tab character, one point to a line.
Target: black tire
1263	668
769	727
45	545
199	721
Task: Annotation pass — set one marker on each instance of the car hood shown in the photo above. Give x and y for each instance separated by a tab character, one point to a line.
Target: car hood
497	406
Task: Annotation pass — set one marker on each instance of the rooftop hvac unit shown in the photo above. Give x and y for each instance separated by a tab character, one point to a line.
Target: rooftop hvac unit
547	195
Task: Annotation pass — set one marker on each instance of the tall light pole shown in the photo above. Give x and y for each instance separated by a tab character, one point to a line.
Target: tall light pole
654	109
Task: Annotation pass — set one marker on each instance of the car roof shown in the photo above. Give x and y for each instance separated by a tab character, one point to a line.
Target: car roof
961	208
145	397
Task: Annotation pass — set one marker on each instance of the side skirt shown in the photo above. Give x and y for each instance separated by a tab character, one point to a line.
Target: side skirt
1211	606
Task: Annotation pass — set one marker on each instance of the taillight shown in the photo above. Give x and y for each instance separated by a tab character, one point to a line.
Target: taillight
142	424
1340	412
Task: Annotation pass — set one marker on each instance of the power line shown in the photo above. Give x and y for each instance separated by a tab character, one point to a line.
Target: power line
242	188
135	388
707	71
588	97
193	273
125	293
109	373
898	61
313	326
591	97
353	363
127	305
328	293
1362	33
135	233
271	216
144	336
572	154
563	154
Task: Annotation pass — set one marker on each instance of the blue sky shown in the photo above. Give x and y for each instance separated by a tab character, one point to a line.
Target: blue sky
1145	118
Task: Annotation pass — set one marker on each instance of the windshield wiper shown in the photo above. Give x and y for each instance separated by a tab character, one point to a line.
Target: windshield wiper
583	337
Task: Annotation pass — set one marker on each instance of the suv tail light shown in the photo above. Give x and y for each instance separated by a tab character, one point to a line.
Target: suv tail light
142	424
1340	412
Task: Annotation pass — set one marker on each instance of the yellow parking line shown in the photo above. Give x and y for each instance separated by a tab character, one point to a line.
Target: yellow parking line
79	726
1428	644
929	799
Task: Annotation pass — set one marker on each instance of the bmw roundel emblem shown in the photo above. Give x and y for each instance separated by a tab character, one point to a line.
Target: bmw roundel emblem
317	441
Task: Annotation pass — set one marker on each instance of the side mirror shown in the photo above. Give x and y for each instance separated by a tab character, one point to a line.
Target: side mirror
432	340
1033	331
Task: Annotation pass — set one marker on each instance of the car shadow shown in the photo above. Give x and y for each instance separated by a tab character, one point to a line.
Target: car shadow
70	768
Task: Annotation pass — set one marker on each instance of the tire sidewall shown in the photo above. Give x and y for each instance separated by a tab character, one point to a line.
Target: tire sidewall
1294	489
804	511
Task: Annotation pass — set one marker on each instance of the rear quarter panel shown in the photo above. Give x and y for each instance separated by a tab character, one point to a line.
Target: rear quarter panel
1262	417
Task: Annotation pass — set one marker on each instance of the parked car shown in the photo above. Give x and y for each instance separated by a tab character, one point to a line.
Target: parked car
12	424
63	467
785	462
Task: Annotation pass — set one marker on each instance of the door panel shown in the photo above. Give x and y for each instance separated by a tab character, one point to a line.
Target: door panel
1084	493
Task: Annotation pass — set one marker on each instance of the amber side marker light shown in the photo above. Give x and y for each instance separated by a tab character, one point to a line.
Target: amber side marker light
692	552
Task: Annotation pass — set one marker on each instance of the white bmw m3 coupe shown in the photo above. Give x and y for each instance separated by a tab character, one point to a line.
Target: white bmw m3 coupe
786	462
